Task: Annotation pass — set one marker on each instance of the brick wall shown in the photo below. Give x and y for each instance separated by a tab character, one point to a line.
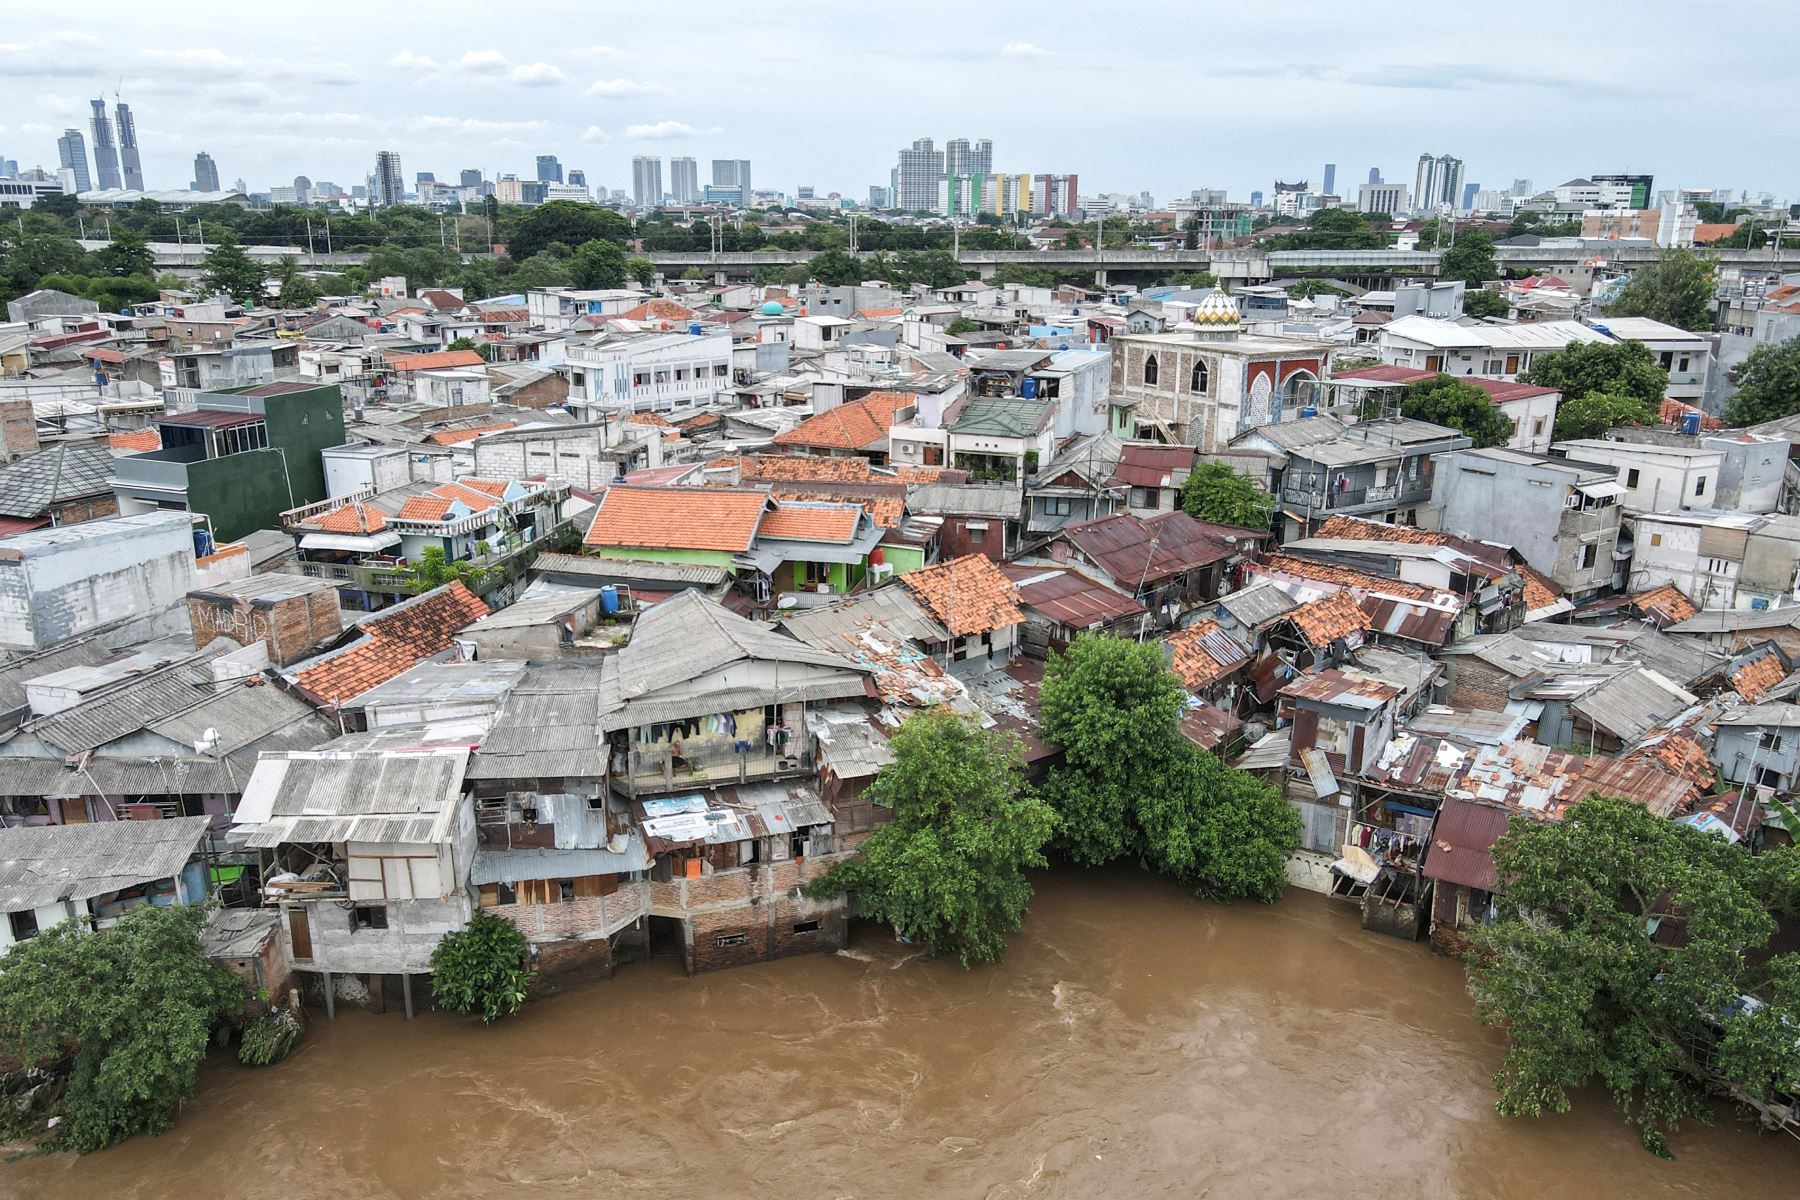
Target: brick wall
18	430
92	508
1475	684
291	628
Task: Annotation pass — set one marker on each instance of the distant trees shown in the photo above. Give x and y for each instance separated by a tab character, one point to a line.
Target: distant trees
1332	229
1590	416
1485	302
483	968
567	221
1471	259
227	270
1768	385
1445	400
1216	493
837	268
949	870
598	264
1633	952
1676	289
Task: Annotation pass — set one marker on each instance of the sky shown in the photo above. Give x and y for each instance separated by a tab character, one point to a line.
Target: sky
1133	97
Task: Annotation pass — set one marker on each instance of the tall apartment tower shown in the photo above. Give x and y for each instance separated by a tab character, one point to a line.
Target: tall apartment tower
470	178
390	181
1329	184
916	176
71	151
206	173
1438	181
128	148
733	173
1374	174
549	170
106	155
646	180
684	180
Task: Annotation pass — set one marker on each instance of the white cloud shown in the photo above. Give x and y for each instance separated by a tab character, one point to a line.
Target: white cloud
595	136
474	126
479	66
664	131
1023	50
599	52
615	88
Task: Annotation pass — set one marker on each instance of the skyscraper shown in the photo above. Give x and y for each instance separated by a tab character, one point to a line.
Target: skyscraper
646	180
1468	196
916	176
577	177
1374	174
733	173
684	180
471	178
206	173
106	155
390	183
71	151
303	190
549	170
1438	181
128	148
1329	184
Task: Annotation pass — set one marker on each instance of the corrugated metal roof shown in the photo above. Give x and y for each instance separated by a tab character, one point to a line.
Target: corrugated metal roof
43	864
1462	844
325	797
1068	597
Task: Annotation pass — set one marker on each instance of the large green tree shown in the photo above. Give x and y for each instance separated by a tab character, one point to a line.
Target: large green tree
1616	368
1768	384
1676	289
1633	952
1485	302
482	968
598	264
1217	493
567	221
126	254
1130	785
1592	415
836	268
949	870
226	269
135	1004
1445	400
1471	259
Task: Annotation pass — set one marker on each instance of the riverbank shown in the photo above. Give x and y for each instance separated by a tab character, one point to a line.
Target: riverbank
1134	1041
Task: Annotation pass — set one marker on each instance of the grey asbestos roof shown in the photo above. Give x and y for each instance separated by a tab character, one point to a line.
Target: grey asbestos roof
16	674
628	571
30	486
894	608
689	635
398	799
242	715
966	500
44	864
548	726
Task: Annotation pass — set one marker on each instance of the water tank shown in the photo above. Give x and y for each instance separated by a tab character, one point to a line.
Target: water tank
877	556
203	541
609	600
1028	389
695	328
1309	411
1690	423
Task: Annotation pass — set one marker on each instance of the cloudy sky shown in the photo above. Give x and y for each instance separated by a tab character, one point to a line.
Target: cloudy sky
1159	97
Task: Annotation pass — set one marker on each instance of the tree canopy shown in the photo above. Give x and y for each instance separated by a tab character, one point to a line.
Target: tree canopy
1445	400
1485	302
598	264
1768	384
1131	785
227	270
1592	415
136	1002
949	870
1616	368
1471	259
1332	229
1632	951
567	221
482	968
1215	492
1676	289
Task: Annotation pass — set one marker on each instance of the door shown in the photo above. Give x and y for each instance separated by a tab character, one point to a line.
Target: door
300	933
1434	362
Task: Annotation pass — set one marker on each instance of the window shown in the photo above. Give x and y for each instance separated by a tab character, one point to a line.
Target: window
1198	380
1700	486
720	370
24	925
1143	497
1769	739
806	927
565	890
1667	359
1059	506
977	532
1656	539
1631	479
1589	553
1537	427
1682	366
1150	370
816	573
640	379
731	939
369	916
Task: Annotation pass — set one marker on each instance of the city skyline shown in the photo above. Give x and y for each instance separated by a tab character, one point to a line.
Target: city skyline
325	105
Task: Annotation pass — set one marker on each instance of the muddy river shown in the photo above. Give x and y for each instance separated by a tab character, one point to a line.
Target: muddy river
1135	1042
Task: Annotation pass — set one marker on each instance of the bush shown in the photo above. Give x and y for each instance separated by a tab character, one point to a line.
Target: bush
269	1039
482	968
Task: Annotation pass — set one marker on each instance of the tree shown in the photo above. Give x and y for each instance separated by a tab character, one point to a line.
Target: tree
1485	302
435	568
1306	289
1768	384
482	968
835	268
1471	259
1592	415
598	264
1131	785
126	254
1445	400
962	325
567	221
227	269
135	1004
293	289
1194	279
543	269
1332	229
644	271
1676	289
949	869
1626	953
1215	492
1616	368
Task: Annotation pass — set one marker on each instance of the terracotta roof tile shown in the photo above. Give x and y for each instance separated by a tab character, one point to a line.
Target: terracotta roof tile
455	437
1540	590
392	641
811	521
886	511
1329	618
1665	605
1753	679
967	595
487	487
802	467
658	310
435	360
424	508
880	314
1203	654
677	518
855	426
655	420
1304	568
348	518
140	442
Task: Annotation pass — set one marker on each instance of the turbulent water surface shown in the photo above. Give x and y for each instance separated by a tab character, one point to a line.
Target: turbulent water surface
1135	1042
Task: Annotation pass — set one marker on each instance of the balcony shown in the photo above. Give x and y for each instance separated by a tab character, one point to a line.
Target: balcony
394	579
1319	499
651	769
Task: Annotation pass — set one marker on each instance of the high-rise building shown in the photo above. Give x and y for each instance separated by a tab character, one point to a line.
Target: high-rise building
1468	196
577	177
206	173
1328	184
916	176
549	170
684	180
1521	187
961	157
880	197
1438	182
71	151
733	173
390	181
1624	191
646	180
106	155
9	168
1374	174
128	148
1256	199
1055	195
470	178
1381	198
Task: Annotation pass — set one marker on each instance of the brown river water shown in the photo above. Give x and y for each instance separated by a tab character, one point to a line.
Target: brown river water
1135	1042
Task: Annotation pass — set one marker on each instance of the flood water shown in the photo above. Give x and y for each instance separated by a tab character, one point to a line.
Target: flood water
1136	1041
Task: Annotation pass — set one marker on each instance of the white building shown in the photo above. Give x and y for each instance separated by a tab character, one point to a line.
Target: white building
647	372
1382	198
1496	351
1657	478
1719	560
557	308
1685	355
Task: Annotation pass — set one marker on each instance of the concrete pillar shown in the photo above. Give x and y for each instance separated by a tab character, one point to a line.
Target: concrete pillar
330	999
1100	277
406	991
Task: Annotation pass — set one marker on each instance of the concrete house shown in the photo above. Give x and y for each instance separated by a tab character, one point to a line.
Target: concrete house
1758	745
57	584
1729	560
1382	470
95	874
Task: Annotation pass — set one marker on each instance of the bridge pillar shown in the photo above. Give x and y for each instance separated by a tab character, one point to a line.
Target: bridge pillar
1100	277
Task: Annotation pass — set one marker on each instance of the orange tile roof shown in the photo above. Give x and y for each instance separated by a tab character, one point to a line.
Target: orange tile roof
228	550
658	310
1672	411
677	518
1753	679
655	420
140	442
1305	568
885	511
435	504
918	474
967	595
393	641
455	437
424	508
876	314
1712	231
1194	663
435	360
802	467
1540	590
851	426
1666	604
811	521
348	518
1325	620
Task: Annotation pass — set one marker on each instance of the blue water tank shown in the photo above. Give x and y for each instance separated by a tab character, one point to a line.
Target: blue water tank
1309	411
609	600
1690	423
1028	389
696	328
203	541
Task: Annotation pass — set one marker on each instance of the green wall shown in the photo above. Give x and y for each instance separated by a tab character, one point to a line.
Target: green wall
249	491
658	554
903	558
